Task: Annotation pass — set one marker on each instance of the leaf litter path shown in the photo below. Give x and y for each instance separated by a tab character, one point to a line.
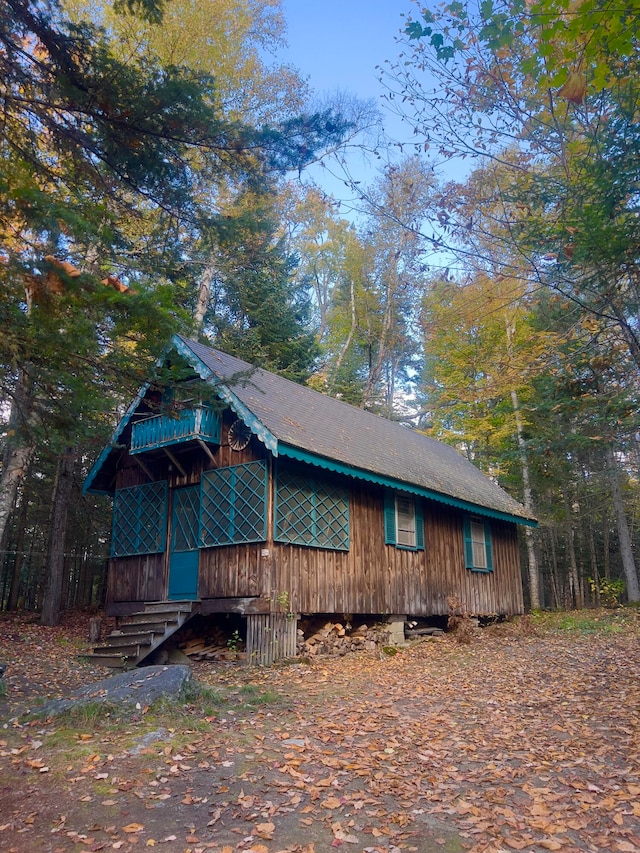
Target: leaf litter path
526	743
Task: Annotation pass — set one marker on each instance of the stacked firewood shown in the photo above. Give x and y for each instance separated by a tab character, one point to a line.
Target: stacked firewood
214	646
338	638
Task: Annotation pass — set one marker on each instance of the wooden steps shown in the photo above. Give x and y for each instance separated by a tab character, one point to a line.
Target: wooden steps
140	634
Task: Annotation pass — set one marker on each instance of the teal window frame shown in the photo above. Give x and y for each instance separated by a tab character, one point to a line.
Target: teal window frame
391	520
233	505
311	511
472	524
139	524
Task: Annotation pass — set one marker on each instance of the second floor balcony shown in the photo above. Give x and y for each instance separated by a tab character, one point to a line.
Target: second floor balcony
200	423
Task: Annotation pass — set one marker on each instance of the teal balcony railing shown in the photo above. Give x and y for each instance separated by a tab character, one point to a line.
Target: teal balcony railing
160	431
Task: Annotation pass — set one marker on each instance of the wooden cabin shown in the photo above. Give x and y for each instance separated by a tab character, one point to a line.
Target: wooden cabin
238	491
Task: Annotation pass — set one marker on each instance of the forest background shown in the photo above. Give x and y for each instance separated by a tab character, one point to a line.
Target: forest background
153	158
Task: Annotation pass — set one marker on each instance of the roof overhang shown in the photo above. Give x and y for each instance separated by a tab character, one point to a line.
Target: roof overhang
360	474
207	375
227	395
279	448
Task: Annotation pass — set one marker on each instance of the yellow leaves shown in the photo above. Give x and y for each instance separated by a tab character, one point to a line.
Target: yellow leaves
36	764
516	844
331	803
551	844
132	828
265	830
575	88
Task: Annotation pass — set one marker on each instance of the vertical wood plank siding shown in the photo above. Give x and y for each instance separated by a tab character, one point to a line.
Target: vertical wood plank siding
370	578
377	578
139	578
270	637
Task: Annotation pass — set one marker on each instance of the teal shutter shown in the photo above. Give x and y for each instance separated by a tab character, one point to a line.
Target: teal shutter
488	545
419	525
468	544
389	517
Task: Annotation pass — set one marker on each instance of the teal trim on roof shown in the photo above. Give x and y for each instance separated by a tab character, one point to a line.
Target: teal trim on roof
225	394
388	482
113	443
298	422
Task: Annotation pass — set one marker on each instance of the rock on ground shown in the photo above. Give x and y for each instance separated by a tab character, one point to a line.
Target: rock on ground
134	687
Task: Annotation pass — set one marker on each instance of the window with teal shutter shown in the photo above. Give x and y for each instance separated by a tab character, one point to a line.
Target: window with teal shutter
233	505
139	520
403	521
311	511
478	550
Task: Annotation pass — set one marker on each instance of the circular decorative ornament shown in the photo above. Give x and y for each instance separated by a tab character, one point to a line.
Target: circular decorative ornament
239	435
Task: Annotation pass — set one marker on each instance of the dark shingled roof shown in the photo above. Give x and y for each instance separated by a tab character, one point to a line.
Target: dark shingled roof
302	418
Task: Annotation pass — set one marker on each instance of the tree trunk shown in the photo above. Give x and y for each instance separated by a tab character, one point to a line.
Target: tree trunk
204	294
14	466
19	449
352	330
555	592
384	347
532	558
14	590
52	602
575	587
595	571
624	536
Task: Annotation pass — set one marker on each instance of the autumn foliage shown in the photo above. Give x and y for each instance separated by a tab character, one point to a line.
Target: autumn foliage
518	740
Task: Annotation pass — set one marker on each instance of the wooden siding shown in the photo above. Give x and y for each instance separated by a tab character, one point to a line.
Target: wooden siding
377	578
270	637
370	578
234	571
140	578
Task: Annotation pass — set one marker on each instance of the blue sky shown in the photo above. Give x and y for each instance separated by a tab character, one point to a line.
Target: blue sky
337	45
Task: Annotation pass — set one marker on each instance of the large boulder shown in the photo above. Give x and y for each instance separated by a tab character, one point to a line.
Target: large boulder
135	688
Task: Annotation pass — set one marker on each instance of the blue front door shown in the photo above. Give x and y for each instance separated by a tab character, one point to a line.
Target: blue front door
183	559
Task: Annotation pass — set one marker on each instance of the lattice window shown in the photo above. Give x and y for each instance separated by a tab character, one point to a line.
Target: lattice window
234	505
139	520
310	511
186	518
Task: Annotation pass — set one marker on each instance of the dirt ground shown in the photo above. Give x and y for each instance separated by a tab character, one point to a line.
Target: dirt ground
524	738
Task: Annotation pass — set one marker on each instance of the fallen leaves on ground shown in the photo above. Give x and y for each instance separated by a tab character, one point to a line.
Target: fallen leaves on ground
508	743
